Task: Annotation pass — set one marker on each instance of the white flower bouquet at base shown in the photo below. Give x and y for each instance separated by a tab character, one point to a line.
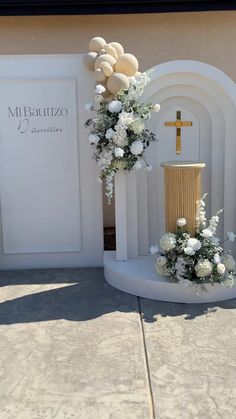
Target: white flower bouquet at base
195	260
117	131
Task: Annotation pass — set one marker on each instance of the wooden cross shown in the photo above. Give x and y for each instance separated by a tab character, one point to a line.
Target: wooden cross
178	124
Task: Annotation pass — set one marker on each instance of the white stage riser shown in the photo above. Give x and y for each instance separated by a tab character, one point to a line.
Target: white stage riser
138	277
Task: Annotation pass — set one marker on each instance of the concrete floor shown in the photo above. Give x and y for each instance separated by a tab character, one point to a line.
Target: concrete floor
71	346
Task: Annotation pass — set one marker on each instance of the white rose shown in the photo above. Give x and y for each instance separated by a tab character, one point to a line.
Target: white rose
189	251
203	268
231	236
220	268
217	258
120	137
181	222
156	108
93	139
99	89
136	147
137	126
119	152
154	249
206	233
126	118
161	261
137	165
168	242
109	133
195	244
115	106
229	262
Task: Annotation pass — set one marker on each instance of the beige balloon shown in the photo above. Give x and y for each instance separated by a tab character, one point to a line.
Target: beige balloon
107	69
101	51
104	58
96	44
110	50
118	47
89	60
117	82
99	75
127	64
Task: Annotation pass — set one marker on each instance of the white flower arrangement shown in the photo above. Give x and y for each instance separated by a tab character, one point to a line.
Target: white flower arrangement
181	222
117	131
196	260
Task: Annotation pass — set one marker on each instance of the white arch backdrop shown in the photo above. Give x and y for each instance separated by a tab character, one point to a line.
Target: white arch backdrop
211	97
216	93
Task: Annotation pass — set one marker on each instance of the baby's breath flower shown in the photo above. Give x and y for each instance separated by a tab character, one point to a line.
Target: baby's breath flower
115	106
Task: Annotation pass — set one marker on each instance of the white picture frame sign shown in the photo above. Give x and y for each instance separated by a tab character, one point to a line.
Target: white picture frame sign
51	203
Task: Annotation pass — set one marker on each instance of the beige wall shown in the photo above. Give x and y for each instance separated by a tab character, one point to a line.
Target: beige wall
154	38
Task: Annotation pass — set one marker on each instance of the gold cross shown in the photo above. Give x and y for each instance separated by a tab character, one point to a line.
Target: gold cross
178	124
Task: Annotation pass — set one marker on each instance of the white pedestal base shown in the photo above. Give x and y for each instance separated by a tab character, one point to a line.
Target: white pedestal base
138	277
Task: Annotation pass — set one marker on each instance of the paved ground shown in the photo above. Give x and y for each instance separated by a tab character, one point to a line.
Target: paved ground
71	346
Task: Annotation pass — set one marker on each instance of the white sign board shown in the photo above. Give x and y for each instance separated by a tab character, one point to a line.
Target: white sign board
51	203
39	167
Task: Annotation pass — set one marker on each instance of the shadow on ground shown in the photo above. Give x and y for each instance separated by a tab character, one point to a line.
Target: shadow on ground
83	295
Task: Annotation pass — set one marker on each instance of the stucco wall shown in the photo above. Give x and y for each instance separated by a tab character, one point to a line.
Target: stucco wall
154	38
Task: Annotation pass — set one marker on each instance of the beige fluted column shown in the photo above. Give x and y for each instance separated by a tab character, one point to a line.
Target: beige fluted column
182	191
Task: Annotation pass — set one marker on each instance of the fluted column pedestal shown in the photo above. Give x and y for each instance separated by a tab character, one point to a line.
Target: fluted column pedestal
182	191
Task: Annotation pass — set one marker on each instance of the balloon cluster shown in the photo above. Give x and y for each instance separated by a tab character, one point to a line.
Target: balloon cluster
113	68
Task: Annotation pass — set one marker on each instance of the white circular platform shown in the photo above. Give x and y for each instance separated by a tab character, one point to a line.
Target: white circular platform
138	277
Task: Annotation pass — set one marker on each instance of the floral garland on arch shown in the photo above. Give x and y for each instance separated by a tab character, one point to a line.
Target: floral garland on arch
196	260
117	131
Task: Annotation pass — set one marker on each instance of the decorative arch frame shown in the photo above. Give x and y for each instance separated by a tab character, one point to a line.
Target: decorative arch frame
219	89
134	272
